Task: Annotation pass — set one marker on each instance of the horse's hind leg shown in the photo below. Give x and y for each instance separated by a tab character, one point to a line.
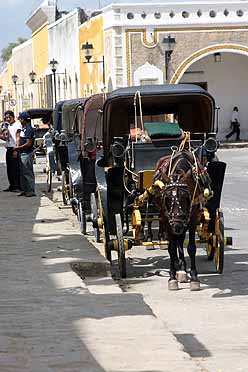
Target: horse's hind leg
182	272
174	265
194	283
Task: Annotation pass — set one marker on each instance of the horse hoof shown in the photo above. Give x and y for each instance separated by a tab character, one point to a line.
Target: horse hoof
172	285
182	277
195	285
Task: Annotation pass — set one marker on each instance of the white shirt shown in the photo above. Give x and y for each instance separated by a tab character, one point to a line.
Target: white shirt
235	116
12	130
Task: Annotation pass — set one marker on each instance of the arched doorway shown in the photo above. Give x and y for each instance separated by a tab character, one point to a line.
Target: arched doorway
224	73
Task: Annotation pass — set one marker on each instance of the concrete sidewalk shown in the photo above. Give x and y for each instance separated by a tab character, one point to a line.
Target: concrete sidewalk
51	320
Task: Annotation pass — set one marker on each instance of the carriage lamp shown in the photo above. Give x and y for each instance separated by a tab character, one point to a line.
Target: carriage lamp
56	136
169	45
63	136
88	49
118	150
89	145
211	145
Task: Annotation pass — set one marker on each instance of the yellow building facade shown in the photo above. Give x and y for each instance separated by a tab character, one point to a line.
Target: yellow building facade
7	89
92	74
40	62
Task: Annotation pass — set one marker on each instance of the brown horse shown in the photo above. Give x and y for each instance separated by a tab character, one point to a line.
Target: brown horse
180	200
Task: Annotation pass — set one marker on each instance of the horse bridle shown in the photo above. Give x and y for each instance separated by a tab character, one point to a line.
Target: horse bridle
174	217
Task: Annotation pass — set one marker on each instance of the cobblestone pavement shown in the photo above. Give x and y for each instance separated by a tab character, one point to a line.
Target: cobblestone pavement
50	319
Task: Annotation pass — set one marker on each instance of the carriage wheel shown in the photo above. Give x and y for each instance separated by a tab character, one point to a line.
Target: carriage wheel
94	217
210	248
219	250
121	247
65	195
81	218
105	234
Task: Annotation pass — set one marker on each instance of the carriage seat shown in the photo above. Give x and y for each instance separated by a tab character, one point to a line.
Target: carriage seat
163	130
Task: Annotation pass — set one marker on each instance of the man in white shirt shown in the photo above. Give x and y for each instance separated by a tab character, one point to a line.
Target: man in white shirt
235	124
10	135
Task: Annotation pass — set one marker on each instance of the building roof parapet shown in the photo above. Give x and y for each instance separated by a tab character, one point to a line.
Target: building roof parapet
197	13
46	12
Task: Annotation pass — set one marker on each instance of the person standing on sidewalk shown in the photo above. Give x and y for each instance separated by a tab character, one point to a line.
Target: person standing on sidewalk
11	135
235	124
25	146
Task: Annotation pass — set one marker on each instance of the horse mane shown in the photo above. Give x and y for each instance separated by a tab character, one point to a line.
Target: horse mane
179	164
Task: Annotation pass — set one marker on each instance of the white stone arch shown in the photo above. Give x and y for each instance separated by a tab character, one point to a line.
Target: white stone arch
148	72
230	48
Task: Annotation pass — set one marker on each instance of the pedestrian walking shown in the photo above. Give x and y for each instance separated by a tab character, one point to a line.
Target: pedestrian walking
26	148
10	134
235	124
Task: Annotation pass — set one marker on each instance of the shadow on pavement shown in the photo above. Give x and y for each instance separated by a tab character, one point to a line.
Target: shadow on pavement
46	324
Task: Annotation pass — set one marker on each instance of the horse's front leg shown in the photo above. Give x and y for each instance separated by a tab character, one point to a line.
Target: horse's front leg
174	265
149	232
182	273
194	281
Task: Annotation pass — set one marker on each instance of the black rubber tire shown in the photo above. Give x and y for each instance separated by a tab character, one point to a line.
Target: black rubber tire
64	182
49	180
210	250
82	218
121	247
219	251
94	216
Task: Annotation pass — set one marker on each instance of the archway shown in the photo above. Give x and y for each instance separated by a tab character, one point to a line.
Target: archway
225	79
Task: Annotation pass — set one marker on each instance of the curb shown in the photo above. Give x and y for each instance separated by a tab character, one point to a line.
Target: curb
233	145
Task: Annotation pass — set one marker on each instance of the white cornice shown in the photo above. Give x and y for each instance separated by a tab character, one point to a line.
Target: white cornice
170	14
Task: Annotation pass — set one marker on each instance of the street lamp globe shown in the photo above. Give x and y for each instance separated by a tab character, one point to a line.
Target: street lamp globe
32	76
87	49
14	78
54	65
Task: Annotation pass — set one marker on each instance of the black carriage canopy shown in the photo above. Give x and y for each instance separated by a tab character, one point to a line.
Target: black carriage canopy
188	105
46	115
92	118
57	116
72	113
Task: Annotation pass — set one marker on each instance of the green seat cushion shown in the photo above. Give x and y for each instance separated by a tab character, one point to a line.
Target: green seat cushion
162	129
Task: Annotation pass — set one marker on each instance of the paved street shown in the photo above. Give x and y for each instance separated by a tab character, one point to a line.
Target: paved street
210	325
51	320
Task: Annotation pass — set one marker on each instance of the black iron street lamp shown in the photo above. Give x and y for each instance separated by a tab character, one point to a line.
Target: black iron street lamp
87	49
54	65
15	79
32	76
169	43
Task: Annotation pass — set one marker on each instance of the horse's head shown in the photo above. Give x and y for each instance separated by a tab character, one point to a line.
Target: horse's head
176	203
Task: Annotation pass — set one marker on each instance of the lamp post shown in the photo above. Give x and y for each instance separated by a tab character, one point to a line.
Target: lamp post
54	64
15	79
33	76
87	49
169	43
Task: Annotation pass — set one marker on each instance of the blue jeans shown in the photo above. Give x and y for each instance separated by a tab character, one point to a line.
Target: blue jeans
27	179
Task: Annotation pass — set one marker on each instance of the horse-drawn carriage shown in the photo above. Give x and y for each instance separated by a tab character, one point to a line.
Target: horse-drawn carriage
158	167
78	142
